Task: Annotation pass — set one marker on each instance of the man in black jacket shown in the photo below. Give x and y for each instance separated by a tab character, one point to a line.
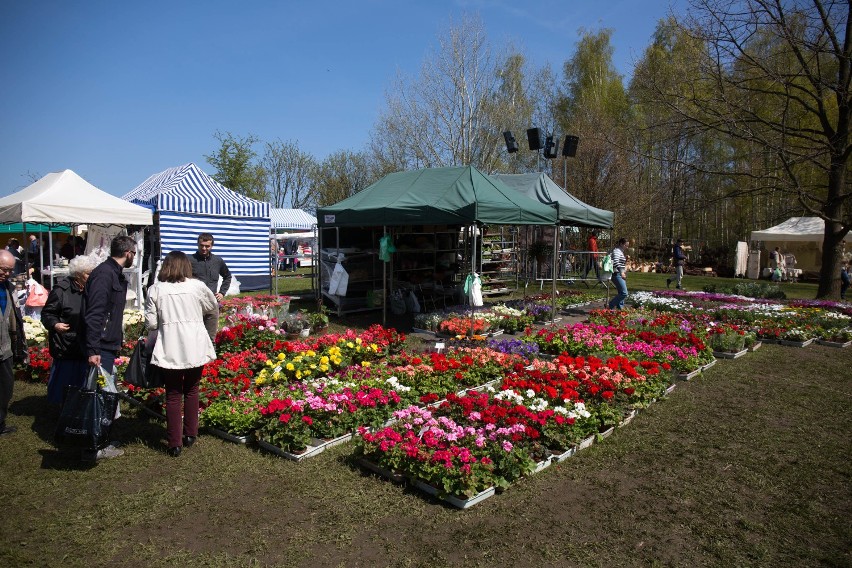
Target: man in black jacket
103	304
679	261
208	267
12	341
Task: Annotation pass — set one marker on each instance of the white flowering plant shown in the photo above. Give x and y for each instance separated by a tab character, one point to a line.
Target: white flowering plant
34	331
133	323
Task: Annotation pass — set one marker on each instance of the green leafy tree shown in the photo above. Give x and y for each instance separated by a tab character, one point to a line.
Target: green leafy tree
773	79
235	165
593	105
339	176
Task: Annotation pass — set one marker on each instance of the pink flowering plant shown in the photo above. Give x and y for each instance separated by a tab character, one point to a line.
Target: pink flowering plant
283	424
455	458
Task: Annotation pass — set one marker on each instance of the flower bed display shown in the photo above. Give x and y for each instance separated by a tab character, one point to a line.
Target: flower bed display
684	351
482	413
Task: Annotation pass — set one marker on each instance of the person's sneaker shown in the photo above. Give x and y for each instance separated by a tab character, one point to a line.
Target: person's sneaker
7	430
668	282
108	453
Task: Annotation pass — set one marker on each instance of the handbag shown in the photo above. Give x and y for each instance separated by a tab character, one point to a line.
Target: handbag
140	372
87	416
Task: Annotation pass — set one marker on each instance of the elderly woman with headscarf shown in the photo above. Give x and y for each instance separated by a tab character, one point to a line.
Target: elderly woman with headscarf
62	318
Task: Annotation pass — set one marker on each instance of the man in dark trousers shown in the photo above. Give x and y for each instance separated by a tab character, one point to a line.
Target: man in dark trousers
208	267
679	261
104	298
12	341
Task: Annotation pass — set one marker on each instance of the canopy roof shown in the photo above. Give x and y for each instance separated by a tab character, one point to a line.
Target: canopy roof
569	209
795	229
65	197
291	219
437	196
33	228
187	189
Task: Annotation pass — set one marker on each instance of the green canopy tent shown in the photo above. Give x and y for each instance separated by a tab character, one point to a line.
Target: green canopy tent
569	209
436	196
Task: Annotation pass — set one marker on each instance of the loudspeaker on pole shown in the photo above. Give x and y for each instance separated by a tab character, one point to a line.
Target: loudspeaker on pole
534	138
511	143
569	148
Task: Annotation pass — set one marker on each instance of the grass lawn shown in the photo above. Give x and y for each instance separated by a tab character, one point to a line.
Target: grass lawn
745	465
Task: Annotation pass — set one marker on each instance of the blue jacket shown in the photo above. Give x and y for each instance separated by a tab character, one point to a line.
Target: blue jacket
103	308
679	257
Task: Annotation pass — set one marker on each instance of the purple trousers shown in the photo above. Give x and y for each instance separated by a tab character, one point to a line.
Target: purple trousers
181	404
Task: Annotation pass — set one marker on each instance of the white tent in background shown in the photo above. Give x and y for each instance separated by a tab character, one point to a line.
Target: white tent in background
288	220
800	236
67	199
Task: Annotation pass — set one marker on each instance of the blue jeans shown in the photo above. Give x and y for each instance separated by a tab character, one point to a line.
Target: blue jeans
621	285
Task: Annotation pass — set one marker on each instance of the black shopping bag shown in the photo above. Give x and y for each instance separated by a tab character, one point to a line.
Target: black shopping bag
140	372
86	418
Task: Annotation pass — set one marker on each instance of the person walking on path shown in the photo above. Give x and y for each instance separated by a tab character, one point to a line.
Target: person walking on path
619	274
845	280
177	307
208	267
679	261
13	346
592	245
62	316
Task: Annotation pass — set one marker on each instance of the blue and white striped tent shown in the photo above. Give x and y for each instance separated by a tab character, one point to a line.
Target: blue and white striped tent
291	220
190	202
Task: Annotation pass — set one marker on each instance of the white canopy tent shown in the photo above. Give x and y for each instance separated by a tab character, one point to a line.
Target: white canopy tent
289	220
801	237
66	198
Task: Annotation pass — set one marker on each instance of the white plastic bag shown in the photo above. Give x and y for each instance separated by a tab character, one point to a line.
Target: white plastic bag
411	303
473	288
339	281
109	386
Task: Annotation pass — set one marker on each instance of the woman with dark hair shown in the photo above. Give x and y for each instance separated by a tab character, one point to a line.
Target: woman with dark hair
179	307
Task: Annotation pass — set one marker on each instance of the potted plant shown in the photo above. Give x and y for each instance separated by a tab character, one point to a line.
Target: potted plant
319	319
538	250
295	325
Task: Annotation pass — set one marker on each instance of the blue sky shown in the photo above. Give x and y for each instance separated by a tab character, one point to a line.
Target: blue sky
120	90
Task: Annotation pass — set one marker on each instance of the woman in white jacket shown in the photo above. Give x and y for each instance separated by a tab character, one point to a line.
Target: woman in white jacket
178	306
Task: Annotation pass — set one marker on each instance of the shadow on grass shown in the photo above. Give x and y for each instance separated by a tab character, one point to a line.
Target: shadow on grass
134	426
43	413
